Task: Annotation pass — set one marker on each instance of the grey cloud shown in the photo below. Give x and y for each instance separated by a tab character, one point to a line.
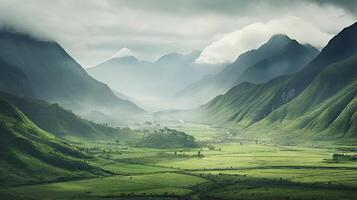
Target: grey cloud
228	7
348	5
91	30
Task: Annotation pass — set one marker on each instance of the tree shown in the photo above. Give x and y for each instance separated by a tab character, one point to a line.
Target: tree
200	154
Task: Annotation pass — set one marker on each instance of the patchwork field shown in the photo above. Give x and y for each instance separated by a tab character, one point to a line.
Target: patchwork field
217	170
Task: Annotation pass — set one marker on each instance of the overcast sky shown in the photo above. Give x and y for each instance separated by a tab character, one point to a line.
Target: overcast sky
94	30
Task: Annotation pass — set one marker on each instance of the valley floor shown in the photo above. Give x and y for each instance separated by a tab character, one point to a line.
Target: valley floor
220	170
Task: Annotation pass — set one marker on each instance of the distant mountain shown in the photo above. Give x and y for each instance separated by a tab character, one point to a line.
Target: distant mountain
290	59
45	71
319	99
58	121
278	56
25	148
152	83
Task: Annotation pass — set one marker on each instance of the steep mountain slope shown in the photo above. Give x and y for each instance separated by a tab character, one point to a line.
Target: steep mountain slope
328	106
278	56
152	83
13	80
53	75
25	148
246	103
60	122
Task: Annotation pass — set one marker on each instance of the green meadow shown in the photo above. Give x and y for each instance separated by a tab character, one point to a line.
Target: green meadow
224	170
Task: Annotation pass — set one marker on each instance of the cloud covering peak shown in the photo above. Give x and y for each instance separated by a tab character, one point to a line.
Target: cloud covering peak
231	45
90	30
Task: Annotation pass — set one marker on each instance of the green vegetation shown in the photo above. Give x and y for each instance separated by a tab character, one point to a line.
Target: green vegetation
60	122
315	104
30	154
291	138
155	185
344	157
226	171
167	138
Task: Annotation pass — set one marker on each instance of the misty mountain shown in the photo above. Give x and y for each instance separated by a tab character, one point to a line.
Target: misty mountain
280	55
290	59
58	121
14	80
152	82
319	100
45	71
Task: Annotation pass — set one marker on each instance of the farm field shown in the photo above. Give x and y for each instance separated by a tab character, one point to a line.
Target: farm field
239	170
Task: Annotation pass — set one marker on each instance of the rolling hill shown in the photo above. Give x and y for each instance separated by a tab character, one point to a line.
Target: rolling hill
29	154
58	121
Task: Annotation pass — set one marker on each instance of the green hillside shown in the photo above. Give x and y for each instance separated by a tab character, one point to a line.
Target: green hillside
322	96
327	109
60	122
242	105
30	154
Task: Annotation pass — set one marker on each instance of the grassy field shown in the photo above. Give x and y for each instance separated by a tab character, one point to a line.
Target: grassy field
160	184
235	170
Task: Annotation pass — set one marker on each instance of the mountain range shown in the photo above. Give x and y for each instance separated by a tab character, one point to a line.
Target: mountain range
152	84
280	55
43	70
318	102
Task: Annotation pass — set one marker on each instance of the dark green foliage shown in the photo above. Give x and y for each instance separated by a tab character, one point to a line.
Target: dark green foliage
167	138
344	157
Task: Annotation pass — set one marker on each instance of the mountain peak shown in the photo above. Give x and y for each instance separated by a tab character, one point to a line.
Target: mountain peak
279	38
123	52
174	57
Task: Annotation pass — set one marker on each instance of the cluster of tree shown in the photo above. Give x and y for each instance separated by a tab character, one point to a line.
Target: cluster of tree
212	148
344	157
167	138
200	154
149	123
